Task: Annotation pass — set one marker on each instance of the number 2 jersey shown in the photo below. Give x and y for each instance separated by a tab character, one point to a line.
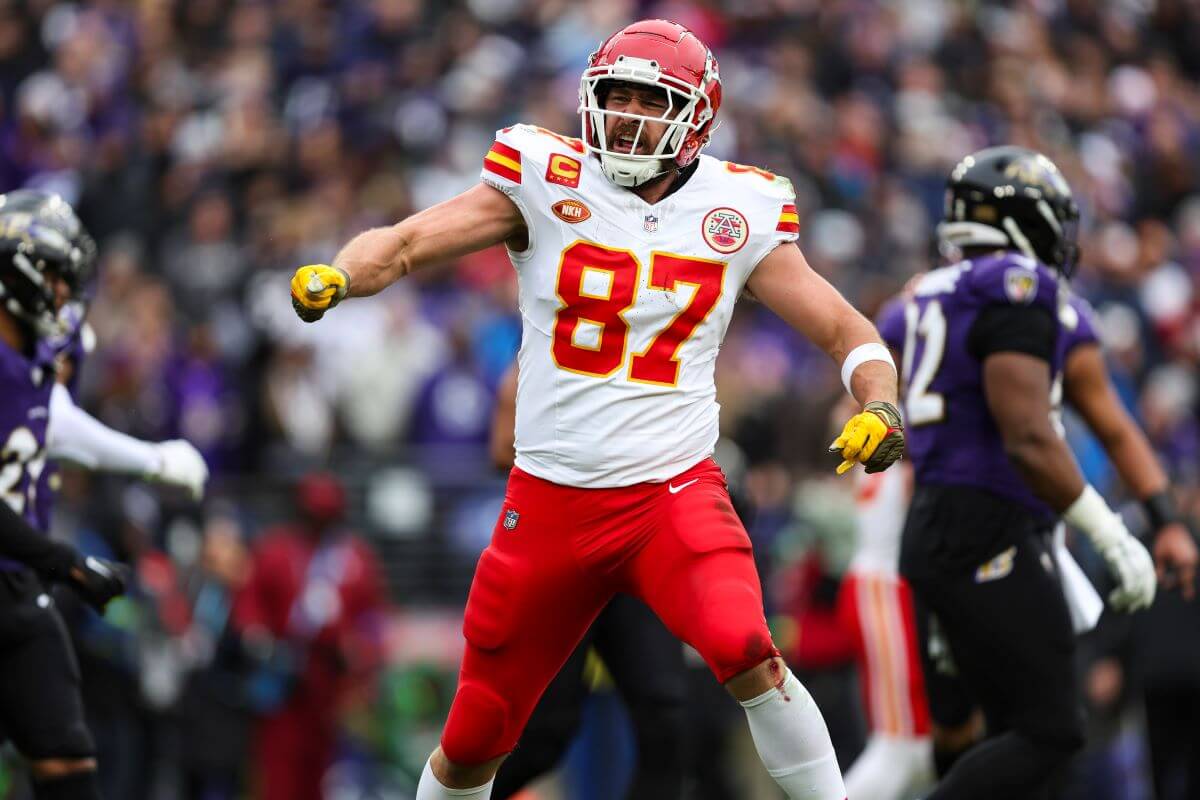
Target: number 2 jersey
944	330
624	305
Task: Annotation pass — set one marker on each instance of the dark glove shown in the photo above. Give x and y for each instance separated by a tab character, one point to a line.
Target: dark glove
97	580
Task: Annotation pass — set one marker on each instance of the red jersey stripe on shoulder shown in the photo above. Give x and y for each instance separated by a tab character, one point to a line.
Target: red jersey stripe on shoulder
788	227
788	208
496	168
505	150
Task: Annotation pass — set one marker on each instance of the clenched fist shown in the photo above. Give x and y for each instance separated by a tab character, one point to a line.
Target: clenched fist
316	289
874	438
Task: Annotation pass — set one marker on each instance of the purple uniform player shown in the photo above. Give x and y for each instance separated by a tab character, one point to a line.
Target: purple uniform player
983	344
952	439
44	257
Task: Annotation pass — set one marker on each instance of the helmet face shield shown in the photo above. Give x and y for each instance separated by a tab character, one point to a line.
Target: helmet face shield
687	109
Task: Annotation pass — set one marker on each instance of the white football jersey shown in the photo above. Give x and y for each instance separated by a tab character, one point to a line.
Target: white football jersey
880	507
624	306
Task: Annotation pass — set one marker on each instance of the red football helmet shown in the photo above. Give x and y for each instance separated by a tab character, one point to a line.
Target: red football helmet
658	53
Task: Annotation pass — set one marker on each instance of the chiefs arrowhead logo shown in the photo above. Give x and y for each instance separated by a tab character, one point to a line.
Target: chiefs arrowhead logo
570	211
725	230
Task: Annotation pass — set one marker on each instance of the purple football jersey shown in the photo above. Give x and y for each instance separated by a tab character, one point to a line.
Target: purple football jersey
25	386
951	436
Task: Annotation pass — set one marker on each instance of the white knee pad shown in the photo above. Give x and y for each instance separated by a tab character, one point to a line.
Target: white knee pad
430	788
793	742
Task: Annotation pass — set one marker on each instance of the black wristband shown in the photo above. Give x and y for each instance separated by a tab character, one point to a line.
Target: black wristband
1160	509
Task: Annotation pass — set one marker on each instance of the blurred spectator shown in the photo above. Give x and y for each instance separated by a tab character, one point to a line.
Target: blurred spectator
311	612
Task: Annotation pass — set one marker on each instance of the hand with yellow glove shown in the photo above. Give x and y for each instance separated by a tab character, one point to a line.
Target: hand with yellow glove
316	289
874	438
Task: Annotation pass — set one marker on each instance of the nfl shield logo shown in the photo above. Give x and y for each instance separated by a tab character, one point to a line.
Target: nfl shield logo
510	519
650	223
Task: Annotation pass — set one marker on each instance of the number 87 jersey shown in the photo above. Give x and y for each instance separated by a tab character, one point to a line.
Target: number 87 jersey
954	318
624	305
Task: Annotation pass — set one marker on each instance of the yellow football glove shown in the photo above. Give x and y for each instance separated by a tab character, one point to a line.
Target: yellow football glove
316	289
874	438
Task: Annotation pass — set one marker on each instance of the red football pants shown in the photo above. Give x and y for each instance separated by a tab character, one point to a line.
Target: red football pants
678	546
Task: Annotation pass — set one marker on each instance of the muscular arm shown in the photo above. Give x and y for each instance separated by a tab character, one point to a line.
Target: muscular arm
476	219
504	420
1017	388
21	542
1088	389
786	284
1090	392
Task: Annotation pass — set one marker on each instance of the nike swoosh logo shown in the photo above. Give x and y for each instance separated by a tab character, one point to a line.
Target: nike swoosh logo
673	489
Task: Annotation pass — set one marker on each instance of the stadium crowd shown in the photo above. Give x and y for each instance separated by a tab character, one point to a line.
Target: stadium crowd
212	146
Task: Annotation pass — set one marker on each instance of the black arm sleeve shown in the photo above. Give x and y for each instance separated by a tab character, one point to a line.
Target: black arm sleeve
20	541
1013	329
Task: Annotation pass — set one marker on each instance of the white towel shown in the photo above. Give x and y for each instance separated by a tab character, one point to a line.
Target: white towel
1083	600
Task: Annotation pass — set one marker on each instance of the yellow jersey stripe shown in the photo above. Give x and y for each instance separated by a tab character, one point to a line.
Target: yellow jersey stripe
503	160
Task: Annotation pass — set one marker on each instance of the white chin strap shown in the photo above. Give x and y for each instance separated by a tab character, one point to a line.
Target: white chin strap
630	172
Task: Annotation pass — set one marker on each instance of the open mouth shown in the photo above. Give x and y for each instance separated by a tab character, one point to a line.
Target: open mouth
624	143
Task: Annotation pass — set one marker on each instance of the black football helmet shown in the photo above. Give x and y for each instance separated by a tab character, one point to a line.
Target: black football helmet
40	236
1012	198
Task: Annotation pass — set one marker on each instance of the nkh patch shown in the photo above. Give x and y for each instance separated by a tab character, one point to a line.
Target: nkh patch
1020	284
999	567
725	230
571	211
511	517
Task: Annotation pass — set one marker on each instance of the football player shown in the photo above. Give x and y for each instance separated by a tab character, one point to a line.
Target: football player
43	256
877	604
46	257
646	663
980	340
631	250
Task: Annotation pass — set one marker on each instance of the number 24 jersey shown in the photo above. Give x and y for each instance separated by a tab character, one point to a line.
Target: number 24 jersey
624	306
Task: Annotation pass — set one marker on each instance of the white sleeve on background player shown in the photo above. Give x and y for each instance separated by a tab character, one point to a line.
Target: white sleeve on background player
75	435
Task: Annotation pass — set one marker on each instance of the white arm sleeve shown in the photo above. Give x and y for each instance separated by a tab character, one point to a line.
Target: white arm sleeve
75	435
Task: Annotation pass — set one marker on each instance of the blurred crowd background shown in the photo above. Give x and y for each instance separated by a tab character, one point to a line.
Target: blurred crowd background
212	146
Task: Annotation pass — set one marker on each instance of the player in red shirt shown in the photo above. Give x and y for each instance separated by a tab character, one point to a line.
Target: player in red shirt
631	250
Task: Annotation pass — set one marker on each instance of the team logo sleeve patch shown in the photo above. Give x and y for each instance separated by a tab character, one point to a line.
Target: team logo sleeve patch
789	220
563	170
503	161
1020	285
725	230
